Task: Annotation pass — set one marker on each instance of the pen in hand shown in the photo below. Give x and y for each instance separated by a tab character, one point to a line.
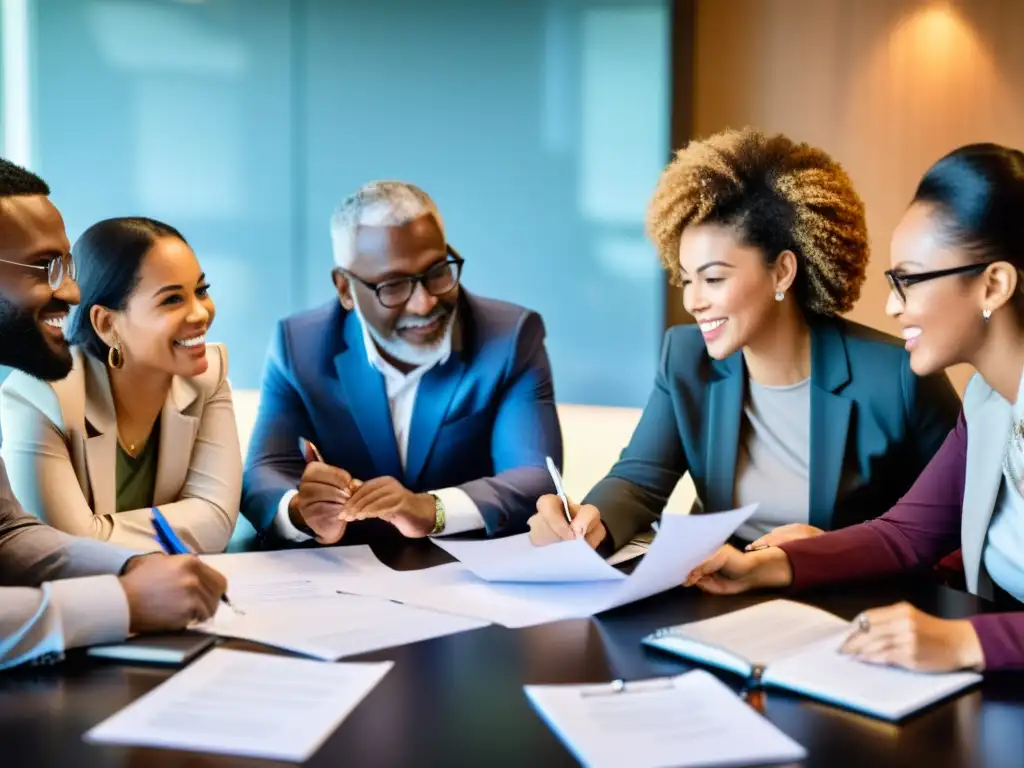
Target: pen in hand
309	451
556	478
172	545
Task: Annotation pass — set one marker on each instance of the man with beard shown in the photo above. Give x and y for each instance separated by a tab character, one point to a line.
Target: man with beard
59	591
428	410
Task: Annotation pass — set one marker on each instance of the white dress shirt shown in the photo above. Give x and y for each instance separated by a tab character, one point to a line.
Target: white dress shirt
461	513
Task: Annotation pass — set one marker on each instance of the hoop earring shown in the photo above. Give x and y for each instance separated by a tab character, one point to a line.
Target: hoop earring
986	314
115	357
779	295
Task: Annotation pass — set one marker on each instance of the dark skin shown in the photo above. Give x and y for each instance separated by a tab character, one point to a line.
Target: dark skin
32	233
329	498
163	593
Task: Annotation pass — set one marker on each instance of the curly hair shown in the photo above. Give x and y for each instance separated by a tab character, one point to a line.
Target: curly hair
779	195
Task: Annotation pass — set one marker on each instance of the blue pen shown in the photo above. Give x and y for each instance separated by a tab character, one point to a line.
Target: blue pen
172	545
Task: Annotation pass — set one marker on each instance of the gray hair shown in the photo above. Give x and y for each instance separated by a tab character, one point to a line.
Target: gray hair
377	204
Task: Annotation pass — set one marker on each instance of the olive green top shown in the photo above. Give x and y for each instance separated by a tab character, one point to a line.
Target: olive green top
136	476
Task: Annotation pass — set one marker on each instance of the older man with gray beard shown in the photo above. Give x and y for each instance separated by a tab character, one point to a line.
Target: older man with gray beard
407	404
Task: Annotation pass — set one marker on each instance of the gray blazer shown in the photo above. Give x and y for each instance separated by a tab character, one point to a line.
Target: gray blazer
39	616
990	416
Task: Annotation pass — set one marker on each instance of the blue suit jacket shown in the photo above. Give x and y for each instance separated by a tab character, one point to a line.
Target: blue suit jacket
869	412
483	421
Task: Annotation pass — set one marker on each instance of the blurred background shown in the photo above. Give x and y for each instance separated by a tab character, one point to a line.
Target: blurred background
539	126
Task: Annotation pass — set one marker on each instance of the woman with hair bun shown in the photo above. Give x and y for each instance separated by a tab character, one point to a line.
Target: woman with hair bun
957	289
770	397
145	418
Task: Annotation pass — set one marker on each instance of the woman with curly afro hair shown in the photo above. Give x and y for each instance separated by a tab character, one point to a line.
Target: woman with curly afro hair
770	397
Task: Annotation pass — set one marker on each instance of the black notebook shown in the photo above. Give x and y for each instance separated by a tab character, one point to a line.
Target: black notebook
175	648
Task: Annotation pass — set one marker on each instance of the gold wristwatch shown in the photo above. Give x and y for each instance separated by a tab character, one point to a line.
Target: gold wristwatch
438	516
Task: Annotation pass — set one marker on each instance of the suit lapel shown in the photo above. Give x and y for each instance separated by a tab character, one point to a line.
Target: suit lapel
990	424
177	436
101	440
830	421
722	431
367	400
433	399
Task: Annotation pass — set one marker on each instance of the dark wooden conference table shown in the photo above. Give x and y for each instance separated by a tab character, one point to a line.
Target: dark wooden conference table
458	700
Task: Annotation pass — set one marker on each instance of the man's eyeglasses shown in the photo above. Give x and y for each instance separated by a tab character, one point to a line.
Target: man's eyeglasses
899	282
438	280
56	268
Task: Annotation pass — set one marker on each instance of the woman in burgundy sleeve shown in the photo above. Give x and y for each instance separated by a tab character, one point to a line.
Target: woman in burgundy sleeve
957	281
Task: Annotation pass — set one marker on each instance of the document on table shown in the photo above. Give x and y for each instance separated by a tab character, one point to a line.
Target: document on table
682	543
247	704
311	617
689	720
328	562
516	559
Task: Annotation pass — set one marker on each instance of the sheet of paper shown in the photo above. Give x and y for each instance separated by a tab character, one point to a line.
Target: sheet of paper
887	692
331	562
516	559
690	720
317	621
247	704
682	544
765	633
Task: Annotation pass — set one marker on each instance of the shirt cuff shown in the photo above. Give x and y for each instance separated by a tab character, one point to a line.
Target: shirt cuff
93	610
283	524
460	512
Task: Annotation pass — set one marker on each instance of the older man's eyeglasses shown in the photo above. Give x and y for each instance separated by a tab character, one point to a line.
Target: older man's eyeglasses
899	282
438	280
57	268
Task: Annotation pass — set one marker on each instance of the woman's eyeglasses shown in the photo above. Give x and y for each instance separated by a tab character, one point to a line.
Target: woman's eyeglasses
56	268
899	282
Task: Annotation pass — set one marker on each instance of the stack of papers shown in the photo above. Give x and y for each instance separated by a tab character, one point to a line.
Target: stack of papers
689	720
509	582
317	621
308	615
249	704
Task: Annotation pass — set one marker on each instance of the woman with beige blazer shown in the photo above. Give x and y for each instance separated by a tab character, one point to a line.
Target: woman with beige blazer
145	418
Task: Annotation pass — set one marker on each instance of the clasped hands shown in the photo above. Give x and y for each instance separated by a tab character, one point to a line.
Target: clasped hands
329	498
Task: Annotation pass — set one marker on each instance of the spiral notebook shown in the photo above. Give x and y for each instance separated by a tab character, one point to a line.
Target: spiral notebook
788	645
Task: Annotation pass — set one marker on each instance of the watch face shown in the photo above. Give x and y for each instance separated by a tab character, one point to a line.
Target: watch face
438	516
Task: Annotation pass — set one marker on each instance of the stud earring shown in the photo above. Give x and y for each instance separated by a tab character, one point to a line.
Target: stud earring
115	357
986	314
779	295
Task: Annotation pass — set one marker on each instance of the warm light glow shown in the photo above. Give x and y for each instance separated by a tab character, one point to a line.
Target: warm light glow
936	36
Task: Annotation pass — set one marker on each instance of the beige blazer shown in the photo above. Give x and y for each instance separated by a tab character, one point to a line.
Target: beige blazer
60	447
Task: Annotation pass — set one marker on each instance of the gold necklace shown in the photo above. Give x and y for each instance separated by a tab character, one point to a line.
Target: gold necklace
130	448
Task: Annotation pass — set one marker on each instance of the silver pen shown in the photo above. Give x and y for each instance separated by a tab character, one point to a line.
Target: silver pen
556	478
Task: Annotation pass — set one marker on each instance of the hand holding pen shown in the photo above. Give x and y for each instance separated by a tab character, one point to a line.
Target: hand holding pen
323	492
558	518
173	545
